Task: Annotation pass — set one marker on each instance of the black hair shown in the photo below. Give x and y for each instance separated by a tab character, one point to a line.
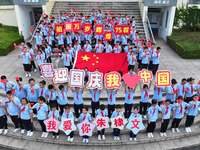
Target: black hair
154	101
173	81
153	44
53	105
180	97
67	107
20	79
118	106
190	79
50	87
41	98
145	47
3	77
133	17
184	79
43	82
133	44
9	92
136	107
145	86
85	108
24	99
167	100
194	96
31	79
158	48
102	106
60	87
86	68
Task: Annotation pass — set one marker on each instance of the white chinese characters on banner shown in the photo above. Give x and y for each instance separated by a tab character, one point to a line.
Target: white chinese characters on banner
76	78
47	70
61	75
95	80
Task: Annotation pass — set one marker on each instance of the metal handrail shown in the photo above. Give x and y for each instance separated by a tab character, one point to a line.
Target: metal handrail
150	29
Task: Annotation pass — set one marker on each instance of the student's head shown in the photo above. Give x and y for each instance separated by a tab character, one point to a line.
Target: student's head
133	45
131	70
118	108
38	33
133	18
25	50
85	110
77	89
19	80
95	90
50	87
53	107
22	43
102	107
41	99
195	98
86	69
145	87
135	110
24	101
130	89
152	45
61	87
3	77
145	49
132	53
183	81
154	102
180	99
190	80
108	42
96	69
39	52
158	49
117	43
9	94
66	51
87	42
42	83
67	109
173	81
167	102
111	90
31	81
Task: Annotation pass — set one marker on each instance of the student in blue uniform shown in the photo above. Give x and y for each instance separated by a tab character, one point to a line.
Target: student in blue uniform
38	39
40	60
116	131
101	112
144	98
26	115
86	74
60	39
87	47
85	115
68	114
181	88
67	59
128	103
42	114
5	84
42	89
3	118
78	100
152	117
131	60
155	60
55	113
95	93
19	92
158	91
190	89
111	100
171	91
145	58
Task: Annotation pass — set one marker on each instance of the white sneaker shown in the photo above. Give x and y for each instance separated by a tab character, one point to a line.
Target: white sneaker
134	139
99	137
189	129
83	140
186	129
144	116
1	130
177	130
28	133
26	75
115	138
68	138
57	137
86	140
29	75
173	130
34	115
5	131
15	130
43	133
165	135
22	131
161	134
35	70
151	135
71	139
31	133
46	134
76	119
131	139
41	76
118	139
103	137
53	137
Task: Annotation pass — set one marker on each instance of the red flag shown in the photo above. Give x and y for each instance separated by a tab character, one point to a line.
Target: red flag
31	29
75	10
90	7
163	102
85	59
97	3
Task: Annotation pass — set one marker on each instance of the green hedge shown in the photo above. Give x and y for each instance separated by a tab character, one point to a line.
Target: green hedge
8	36
185	44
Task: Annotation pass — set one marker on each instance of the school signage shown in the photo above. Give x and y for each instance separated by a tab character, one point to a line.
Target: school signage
160	2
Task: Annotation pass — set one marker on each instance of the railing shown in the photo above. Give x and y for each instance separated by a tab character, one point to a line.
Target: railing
152	36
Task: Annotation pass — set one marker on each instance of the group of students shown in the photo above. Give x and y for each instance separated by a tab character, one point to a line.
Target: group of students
146	55
27	101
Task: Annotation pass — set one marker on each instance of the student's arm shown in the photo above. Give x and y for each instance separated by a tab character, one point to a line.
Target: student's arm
31	108
90	90
148	119
155	86
31	34
11	87
150	84
67	87
165	89
162	114
125	88
47	113
135	88
47	82
72	89
141	85
32	117
14	102
82	89
71	62
107	90
29	61
173	114
116	90
149	61
6	111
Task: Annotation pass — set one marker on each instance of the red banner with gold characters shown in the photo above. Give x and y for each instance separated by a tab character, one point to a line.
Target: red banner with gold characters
68	26
77	26
108	36
98	29
118	30
126	29
59	29
87	28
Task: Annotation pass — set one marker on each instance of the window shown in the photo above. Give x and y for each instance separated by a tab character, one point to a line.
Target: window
166	21
31	17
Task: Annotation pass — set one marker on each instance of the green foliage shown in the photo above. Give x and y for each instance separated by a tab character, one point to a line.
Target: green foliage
9	35
185	43
187	17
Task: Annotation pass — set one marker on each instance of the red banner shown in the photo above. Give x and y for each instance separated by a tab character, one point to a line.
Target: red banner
76	26
99	29
59	29
108	36
126	29
113	61
118	30
87	28
68	26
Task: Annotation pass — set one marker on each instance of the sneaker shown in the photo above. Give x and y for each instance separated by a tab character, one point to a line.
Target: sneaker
76	119
1	130
15	130
186	129
22	131
28	133
53	137
189	129
31	133
177	130
83	140
103	137
161	134
68	138
151	135
43	133
144	116
93	118
35	70
131	139
99	137
165	135
134	139
5	131
29	75
41	76
71	139
108	120
34	115
57	137
46	134
115	138
26	75
86	140
118	139
173	130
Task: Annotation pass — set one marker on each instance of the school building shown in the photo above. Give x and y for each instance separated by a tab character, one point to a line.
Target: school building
155	17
